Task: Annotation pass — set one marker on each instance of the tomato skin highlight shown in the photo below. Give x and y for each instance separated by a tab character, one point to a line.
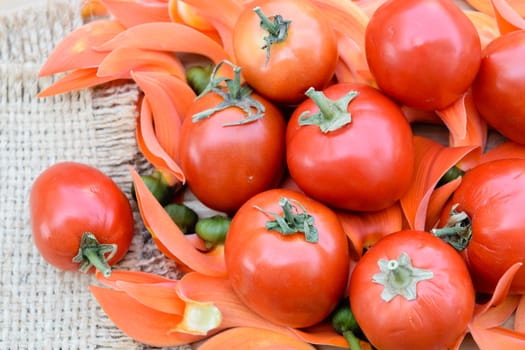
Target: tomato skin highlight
68	199
425	54
284	278
499	85
365	165
307	57
493	196
226	165
444	304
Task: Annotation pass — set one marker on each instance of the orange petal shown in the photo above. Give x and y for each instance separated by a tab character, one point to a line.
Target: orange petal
166	119
483	6
369	6
78	79
504	150
171	37
415	115
499	314
432	161
131	12
222	15
349	23
501	291
519	317
151	148
497	338
75	51
438	199
249	338
152	290
144	324
466	128
182	12
483	326
159	223
199	287
178	91
485	24
365	229
92	9
122	61
197	317
507	17
324	334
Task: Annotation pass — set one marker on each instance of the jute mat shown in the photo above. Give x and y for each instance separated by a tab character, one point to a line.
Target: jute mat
41	307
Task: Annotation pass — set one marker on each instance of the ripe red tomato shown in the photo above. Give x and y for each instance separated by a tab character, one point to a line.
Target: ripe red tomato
492	195
284	277
226	165
70	199
364	165
499	85
304	53
431	299
423	53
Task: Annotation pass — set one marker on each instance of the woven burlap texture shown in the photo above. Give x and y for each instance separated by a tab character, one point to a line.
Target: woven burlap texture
42	307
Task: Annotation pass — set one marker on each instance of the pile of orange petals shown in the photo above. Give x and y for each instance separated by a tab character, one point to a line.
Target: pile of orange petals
164	312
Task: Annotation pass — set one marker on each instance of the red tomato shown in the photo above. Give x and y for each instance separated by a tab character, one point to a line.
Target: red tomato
431	299
306	56
423	53
492	195
226	165
499	85
283	277
67	201
364	165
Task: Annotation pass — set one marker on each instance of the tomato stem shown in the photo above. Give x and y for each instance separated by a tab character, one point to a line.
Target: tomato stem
457	231
277	30
399	277
92	253
234	94
332	115
295	219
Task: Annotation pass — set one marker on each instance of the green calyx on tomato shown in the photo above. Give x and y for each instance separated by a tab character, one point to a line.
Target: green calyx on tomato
457	231
213	230
233	94
277	30
332	115
399	277
92	253
295	219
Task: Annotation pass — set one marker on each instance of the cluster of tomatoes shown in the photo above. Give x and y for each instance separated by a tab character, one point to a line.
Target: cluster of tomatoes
286	150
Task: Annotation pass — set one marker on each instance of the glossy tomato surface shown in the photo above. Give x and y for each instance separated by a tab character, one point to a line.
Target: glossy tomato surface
365	165
285	278
307	57
443	304
226	165
499	87
423	53
493	196
67	200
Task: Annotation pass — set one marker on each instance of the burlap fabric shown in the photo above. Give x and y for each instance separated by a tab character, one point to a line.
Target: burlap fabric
41	307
